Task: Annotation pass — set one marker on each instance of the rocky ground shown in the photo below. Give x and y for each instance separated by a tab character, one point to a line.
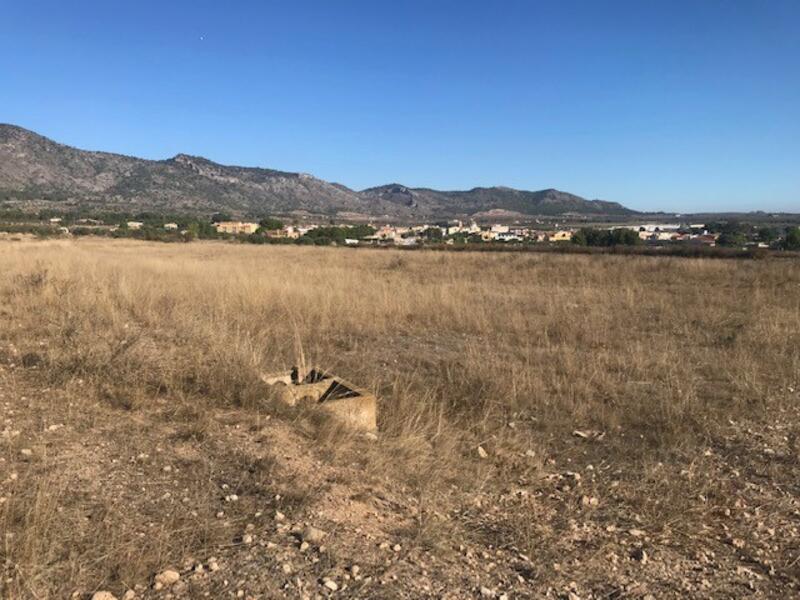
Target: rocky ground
171	502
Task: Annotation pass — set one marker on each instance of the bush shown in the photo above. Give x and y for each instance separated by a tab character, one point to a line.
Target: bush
270	224
588	236
327	235
731	239
792	240
767	234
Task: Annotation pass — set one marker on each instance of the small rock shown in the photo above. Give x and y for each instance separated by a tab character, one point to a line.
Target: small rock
247	539
279	516
397	547
588	434
129	595
26	452
748	572
637	532
103	595
179	587
313	535
487	592
482	452
167	578
330	584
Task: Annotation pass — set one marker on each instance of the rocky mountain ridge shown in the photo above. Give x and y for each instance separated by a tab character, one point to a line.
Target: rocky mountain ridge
36	171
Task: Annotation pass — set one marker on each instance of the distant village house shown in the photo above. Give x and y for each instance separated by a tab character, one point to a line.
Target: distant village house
237	227
560	236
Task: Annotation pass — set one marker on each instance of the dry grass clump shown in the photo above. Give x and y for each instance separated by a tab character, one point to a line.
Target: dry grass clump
511	352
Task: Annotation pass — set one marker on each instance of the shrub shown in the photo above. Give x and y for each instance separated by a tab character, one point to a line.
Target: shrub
588	236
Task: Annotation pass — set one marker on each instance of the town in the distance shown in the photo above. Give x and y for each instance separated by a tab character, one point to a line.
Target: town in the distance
722	233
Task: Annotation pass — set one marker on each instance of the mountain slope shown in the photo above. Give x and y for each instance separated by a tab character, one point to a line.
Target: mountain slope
43	169
476	200
37	170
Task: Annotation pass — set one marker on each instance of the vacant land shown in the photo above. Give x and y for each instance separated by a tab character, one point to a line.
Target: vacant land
550	425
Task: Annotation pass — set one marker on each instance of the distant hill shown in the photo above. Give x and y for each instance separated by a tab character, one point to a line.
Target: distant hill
36	171
485	200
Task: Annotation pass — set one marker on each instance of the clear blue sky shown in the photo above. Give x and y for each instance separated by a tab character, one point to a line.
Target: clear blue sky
674	105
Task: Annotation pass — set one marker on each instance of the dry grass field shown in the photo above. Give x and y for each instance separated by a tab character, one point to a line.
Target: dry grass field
549	425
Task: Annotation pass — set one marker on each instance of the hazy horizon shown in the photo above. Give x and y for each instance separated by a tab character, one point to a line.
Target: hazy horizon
676	107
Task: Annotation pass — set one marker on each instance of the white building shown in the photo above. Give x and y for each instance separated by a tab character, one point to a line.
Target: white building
508	237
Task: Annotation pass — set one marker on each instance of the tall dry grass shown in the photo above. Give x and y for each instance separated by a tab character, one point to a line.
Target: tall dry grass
659	352
661	347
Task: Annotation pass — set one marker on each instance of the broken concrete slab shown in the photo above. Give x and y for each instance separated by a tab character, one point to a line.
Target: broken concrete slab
343	400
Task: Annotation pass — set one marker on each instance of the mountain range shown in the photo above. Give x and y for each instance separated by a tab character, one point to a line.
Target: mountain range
36	171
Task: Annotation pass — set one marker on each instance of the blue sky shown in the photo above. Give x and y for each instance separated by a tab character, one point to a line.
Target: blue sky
670	105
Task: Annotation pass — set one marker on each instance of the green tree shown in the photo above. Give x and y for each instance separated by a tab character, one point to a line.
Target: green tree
579	238
433	234
792	240
322	236
192	231
219	217
359	232
767	234
588	236
731	239
270	224
624	237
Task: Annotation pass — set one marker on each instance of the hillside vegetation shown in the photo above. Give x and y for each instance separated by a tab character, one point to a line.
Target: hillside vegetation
549	425
38	172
